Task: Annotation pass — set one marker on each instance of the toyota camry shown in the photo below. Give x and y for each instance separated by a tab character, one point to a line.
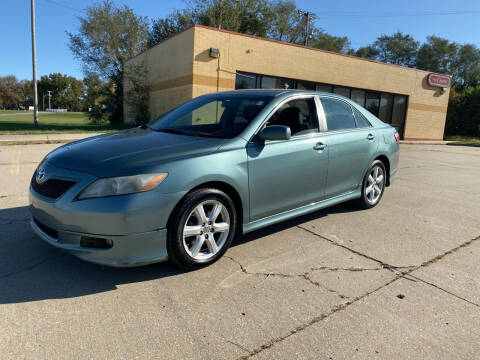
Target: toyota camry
185	185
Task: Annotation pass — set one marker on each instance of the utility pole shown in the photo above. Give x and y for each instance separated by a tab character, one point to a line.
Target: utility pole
34	64
49	93
308	16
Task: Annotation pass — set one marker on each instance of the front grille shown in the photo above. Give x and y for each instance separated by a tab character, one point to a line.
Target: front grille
47	230
52	188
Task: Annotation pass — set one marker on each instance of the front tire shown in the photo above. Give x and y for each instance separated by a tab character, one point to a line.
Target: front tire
201	228
373	185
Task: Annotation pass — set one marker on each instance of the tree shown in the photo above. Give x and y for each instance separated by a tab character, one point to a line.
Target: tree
246	16
287	24
463	114
338	44
67	91
437	55
11	92
399	49
367	52
94	91
466	67
107	38
163	28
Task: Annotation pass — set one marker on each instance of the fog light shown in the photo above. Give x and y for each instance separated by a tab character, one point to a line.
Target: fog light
97	243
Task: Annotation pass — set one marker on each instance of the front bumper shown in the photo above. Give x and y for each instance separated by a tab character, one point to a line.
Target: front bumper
127	250
135	223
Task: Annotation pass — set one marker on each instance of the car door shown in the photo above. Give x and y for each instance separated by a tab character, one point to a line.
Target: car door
351	144
286	174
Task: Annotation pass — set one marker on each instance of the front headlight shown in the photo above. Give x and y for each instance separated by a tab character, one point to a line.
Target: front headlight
122	185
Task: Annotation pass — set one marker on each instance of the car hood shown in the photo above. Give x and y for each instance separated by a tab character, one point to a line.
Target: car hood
129	152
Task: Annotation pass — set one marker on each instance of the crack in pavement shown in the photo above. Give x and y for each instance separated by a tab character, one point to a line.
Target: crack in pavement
239	346
304	276
342	306
442	289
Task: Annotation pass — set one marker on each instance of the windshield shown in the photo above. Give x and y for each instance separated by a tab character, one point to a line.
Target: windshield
216	115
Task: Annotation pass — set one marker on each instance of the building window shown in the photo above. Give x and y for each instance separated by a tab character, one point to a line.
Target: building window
399	111
305	85
269	82
245	81
325	87
358	96
388	107
341	90
372	102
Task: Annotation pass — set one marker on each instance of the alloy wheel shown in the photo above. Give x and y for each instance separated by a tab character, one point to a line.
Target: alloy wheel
375	184
205	235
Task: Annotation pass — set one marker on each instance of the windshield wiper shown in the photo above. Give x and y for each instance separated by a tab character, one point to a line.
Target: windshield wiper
174	131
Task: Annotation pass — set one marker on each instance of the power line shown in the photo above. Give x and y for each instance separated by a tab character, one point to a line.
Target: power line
64	6
363	14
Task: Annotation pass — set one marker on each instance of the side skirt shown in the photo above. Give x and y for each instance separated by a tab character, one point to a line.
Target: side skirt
273	219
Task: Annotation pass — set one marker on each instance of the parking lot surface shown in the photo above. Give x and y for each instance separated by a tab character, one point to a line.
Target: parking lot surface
400	281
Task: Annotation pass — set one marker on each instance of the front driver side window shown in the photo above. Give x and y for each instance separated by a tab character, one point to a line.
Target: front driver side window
299	115
338	113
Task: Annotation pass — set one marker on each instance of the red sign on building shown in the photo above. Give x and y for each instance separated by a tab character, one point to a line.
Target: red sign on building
439	80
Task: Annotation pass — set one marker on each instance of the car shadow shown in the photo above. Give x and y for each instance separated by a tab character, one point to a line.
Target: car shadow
31	270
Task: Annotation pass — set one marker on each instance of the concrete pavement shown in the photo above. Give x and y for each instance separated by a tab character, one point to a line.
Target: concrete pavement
399	281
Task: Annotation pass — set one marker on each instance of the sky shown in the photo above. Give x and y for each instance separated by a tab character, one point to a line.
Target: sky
361	21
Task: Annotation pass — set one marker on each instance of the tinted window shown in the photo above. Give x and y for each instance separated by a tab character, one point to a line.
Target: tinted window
216	115
245	81
299	115
386	105
358	96
303	85
372	102
269	82
344	91
361	121
325	87
338	114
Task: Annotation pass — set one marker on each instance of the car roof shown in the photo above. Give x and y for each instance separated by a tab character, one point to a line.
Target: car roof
275	92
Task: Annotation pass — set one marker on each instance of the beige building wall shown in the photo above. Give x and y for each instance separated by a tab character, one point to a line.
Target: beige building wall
169	73
175	77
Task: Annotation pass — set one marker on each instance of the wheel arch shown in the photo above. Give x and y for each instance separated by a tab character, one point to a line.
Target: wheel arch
386	162
227	189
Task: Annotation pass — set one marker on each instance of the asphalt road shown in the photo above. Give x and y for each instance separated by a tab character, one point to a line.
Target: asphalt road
400	281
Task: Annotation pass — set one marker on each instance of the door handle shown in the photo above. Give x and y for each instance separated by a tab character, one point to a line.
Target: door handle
319	146
370	137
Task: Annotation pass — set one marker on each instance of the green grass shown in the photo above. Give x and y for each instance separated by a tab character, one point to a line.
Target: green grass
21	122
463	140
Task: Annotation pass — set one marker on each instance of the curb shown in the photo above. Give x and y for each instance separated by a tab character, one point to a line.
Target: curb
34	142
37	139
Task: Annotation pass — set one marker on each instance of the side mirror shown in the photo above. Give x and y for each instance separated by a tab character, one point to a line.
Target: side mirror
275	132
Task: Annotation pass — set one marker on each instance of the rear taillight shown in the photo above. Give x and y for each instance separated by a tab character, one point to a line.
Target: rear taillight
396	136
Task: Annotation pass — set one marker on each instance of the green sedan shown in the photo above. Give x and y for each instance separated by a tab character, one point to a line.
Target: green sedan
185	185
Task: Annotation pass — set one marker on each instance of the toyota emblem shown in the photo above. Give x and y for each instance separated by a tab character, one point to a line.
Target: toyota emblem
41	177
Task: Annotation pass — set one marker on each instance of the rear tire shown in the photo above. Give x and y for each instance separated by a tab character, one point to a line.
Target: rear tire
201	228
373	185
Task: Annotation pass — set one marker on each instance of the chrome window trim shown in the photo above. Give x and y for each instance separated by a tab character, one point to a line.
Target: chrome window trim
275	109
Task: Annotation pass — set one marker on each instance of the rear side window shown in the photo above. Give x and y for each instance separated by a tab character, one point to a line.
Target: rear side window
361	121
338	114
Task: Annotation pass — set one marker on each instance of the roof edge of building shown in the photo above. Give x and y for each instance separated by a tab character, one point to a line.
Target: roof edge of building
282	43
